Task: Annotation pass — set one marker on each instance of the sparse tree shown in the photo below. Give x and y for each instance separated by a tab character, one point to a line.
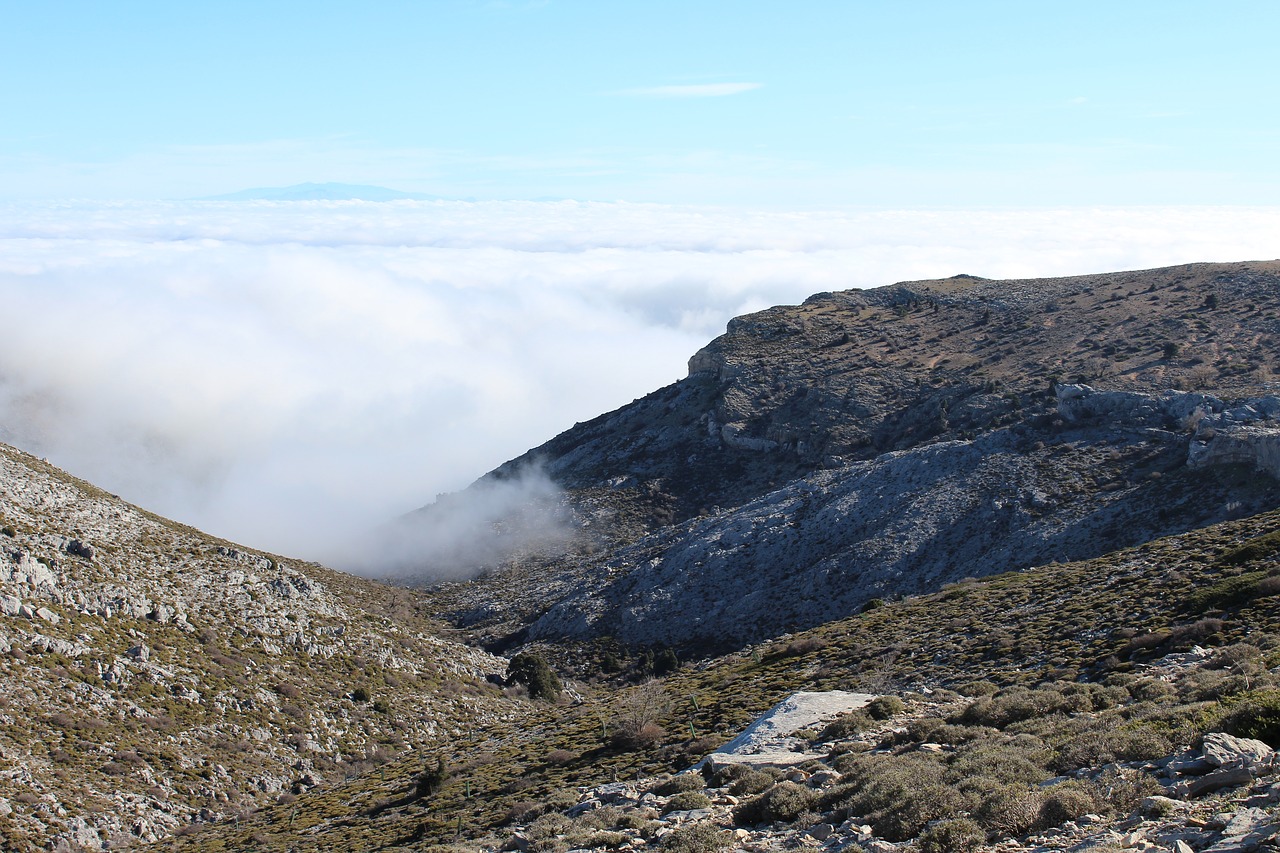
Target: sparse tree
636	719
533	672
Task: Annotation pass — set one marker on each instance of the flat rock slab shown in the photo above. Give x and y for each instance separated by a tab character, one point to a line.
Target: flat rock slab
770	740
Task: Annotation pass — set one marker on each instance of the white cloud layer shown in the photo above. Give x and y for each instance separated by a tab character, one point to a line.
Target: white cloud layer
288	374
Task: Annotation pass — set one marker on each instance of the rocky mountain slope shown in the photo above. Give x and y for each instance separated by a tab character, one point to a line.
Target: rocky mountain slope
833	499
152	677
1065	707
876	443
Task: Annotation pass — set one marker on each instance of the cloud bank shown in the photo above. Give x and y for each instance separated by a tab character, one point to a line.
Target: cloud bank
287	374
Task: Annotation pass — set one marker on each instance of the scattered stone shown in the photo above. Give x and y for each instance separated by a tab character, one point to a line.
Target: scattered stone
1246	822
1224	750
1215	781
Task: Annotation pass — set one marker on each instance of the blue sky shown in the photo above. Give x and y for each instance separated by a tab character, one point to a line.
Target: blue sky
794	104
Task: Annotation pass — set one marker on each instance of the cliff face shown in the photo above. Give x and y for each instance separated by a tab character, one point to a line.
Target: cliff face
873	443
911	521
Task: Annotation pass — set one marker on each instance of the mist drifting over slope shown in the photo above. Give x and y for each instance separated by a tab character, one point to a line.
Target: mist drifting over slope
288	374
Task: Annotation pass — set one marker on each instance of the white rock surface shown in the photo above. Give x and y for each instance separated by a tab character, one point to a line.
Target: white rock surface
771	740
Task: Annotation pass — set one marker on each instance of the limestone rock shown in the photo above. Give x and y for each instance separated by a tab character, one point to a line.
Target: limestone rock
1224	750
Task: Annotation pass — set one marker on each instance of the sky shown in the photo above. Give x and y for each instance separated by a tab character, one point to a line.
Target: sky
619	180
756	103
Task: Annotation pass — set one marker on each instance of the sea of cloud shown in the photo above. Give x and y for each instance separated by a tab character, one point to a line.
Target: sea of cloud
287	374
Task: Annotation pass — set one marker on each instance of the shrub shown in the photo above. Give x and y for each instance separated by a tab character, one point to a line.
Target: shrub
680	784
560	757
699	838
687	801
360	694
955	835
1255	549
844	726
1255	715
1010	810
978	688
432	779
1124	791
1150	689
1000	761
647	736
885	707
753	782
897	795
1064	802
784	801
1137	742
549	826
730	773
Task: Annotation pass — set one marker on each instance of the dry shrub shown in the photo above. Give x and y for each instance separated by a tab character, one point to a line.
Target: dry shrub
698	838
680	784
845	726
783	802
898	795
1010	810
1064	802
1124	790
885	707
647	736
752	782
955	835
560	757
687	801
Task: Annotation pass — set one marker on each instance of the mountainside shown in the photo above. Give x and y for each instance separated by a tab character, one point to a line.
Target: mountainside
152	677
1040	709
875	443
1036	520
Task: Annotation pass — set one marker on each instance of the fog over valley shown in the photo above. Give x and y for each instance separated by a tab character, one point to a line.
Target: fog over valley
293	374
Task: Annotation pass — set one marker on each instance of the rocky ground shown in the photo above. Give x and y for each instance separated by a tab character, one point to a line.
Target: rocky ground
767	791
153	678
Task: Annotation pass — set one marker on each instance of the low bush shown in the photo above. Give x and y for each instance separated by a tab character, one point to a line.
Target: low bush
1010	810
783	802
753	782
698	838
560	757
1063	802
687	801
845	726
1255	715
955	835
680	784
1123	791
885	707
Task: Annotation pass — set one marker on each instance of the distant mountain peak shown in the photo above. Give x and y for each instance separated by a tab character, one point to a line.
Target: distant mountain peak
323	192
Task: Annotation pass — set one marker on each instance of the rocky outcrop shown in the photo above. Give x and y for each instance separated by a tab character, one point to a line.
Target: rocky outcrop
1247	433
822	546
1255	446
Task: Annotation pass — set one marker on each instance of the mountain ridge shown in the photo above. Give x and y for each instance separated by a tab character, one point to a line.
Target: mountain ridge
846	379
